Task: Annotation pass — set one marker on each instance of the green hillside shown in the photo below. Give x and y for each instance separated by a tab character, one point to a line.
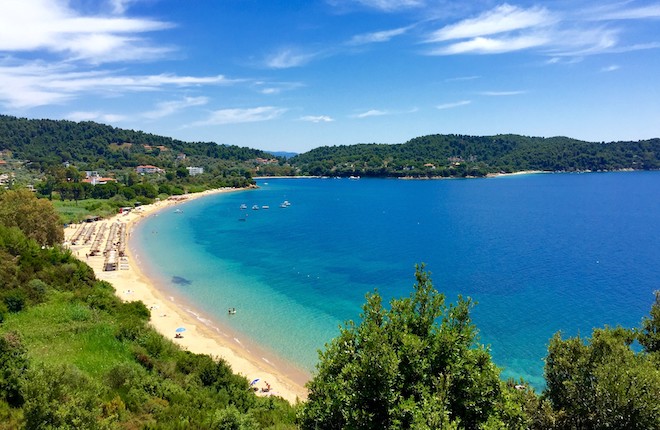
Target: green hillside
102	146
460	156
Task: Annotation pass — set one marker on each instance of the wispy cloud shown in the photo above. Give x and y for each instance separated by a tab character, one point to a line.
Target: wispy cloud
271	88
120	6
52	26
383	5
644	12
370	113
462	78
238	116
501	93
610	68
503	29
508	28
95	116
486	45
168	108
316	119
289	57
377	37
453	105
37	84
502	19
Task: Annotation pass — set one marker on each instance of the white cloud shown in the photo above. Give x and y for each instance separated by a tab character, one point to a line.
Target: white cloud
463	78
644	12
508	28
383	5
51	25
610	68
485	45
270	88
501	93
288	58
502	19
95	116
171	107
120	6
584	42
237	116
370	113
317	119
38	84
377	37
453	105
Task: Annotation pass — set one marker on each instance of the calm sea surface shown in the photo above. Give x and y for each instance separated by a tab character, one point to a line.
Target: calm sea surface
539	253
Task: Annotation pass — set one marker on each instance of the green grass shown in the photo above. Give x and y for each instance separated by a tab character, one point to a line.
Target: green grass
62	332
72	211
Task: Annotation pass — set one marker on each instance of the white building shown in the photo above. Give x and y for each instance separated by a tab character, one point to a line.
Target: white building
148	169
195	170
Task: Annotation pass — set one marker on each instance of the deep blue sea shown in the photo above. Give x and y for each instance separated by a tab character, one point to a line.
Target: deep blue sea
540	253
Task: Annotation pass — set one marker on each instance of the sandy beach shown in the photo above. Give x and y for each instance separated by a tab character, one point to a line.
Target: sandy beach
167	315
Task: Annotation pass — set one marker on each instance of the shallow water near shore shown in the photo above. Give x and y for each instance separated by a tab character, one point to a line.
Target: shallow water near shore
539	253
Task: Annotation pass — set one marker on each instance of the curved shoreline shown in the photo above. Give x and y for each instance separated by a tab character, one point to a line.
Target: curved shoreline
168	314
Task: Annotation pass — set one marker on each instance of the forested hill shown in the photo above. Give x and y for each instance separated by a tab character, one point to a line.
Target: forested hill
457	155
56	141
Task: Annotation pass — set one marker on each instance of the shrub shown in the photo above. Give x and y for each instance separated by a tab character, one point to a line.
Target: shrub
61	397
13	364
14	300
36	291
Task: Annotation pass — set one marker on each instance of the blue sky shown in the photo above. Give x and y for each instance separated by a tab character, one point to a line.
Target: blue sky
295	75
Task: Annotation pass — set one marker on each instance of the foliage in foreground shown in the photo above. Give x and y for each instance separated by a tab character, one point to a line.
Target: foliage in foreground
418	365
35	217
72	355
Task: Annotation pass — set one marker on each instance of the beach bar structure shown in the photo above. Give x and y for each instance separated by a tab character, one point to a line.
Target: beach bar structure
115	248
111	261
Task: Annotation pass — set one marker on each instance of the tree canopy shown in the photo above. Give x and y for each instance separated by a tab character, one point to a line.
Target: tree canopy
36	218
459	156
416	365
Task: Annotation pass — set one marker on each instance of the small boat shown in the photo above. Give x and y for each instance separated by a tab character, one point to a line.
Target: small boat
232	311
354	177
285	204
178	211
243	206
255	207
265	207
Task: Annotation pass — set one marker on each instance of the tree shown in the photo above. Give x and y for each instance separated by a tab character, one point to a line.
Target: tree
416	365
649	336
35	217
182	172
13	364
602	383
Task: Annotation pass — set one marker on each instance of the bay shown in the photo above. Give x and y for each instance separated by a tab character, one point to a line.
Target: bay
539	253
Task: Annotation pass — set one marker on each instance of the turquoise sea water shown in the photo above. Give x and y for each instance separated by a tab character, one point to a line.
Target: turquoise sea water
539	253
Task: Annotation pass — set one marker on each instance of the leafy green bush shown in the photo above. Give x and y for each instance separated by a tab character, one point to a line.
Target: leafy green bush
13	364
14	300
61	397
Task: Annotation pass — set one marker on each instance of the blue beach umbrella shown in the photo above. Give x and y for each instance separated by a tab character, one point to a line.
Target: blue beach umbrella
180	329
254	382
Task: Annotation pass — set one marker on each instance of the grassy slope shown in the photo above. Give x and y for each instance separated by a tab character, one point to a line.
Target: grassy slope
63	331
